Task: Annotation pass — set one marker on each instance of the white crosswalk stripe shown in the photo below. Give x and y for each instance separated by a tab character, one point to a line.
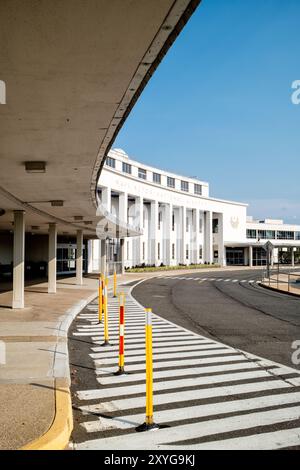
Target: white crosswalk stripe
207	392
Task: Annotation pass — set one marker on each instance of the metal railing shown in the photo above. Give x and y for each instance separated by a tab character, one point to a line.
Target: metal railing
282	279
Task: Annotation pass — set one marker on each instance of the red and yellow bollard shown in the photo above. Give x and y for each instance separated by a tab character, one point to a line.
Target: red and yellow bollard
102	284
106	335
149	424
115	283
100	302
121	334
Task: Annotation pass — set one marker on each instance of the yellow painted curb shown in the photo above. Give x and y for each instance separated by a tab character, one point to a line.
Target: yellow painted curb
58	435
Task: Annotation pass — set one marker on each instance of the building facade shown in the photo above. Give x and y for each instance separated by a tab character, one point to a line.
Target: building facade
152	217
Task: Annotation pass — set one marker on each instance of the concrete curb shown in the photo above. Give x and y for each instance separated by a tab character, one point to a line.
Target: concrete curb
279	291
58	435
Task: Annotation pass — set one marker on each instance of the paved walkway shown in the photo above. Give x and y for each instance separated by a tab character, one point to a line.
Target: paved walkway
206	395
35	340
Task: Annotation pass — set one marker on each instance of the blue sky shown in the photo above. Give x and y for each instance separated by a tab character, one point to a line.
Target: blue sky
219	105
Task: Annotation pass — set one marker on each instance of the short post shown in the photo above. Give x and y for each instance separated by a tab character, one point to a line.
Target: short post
100	306
149	424
115	283
106	335
121	369
102	284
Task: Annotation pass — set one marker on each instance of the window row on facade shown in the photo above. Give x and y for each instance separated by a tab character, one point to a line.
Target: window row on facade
156	177
273	234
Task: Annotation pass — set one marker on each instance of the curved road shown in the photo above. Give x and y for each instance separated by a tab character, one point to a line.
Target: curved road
229	306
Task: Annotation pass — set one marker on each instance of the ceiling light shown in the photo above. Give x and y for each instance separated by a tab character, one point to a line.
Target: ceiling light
78	217
35	167
88	222
57	203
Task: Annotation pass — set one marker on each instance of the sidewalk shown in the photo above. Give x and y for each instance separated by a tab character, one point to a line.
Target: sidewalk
34	382
283	283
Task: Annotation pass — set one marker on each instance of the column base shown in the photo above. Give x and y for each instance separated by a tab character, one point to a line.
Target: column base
106	343
147	427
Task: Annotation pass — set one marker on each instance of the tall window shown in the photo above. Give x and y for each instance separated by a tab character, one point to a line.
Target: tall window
142	173
186	251
143	250
187	224
156	178
185	186
200	225
173	222
110	162
171	182
215	225
173	250
251	233
126	168
297	235
198	189
158	250
200	252
159	220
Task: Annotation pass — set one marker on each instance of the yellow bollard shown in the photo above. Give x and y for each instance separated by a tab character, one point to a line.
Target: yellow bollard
149	424
121	370
102	284
100	306
106	335
115	283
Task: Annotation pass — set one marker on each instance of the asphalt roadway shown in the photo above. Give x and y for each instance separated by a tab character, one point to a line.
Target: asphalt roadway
227	307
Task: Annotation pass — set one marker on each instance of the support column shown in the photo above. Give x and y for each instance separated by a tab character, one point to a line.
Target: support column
251	256
123	207
103	257
208	237
168	234
90	255
18	259
221	249
106	198
153	231
183	236
122	254
196	223
293	257
52	246
79	260
138	222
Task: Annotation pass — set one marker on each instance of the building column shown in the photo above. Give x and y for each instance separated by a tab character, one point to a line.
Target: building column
18	259
153	231
79	260
90	256
208	254
221	249
293	257
196	224
106	198
251	256
52	249
168	234
138	222
183	236
103	257
122	254
123	207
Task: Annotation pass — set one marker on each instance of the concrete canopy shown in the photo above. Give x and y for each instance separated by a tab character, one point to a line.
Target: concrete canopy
73	70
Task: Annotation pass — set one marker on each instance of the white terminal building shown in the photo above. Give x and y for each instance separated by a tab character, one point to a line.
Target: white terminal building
153	217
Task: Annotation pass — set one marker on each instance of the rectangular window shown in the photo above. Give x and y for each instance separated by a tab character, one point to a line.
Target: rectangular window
173	222
173	250
285	235
142	173
198	189
128	250
110	162
297	235
186	251
170	182
200	225
159	220
158	250
126	168
215	225
200	252
185	186
156	178
251	233
143	250
187	224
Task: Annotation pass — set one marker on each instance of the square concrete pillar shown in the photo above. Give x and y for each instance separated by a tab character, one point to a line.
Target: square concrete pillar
52	245
79	257
18	259
208	240
103	257
251	256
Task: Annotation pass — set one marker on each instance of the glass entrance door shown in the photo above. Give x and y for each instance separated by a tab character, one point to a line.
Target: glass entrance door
66	258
